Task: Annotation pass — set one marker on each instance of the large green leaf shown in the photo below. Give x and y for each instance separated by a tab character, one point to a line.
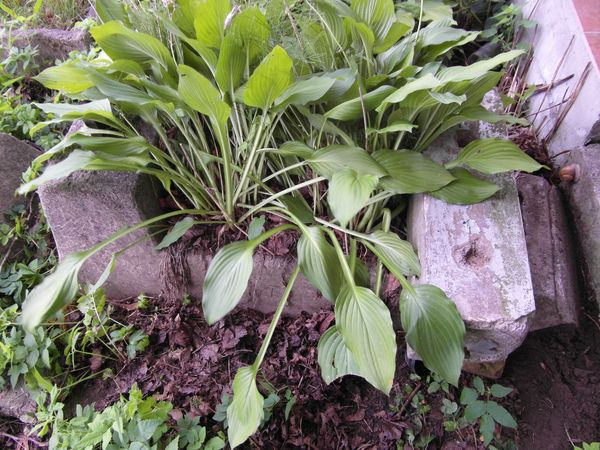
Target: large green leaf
245	412
434	329
464	73
500	414
466	189
269	80
52	294
493	156
365	323
305	91
119	42
252	31
353	109
227	279
428	81
200	94
397	254
67	77
209	21
348	193
330	160
318	262
335	358
230	64
411	172
77	160
108	10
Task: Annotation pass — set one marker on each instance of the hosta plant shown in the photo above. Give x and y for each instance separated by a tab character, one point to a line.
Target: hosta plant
317	112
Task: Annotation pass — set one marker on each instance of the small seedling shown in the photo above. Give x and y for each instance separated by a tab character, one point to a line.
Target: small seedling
480	407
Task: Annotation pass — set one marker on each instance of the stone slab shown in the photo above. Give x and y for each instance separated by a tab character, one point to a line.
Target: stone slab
16	156
16	403
52	44
551	254
583	197
88	207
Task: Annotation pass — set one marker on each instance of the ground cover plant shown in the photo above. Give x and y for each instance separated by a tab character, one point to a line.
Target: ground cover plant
322	122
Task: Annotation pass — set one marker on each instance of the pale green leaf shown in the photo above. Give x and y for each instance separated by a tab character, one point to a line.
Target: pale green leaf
119	42
411	172
348	193
434	329
330	160
200	94
365	324
209	21
428	81
251	31
487	428
464	73
318	262
67	77
61	109
493	156
334	357
178	230
269	80
230	64
397	254
500	391
474	410
466	189
226	280
77	160
245	412
396	127
55	292
305	91
353	109
108	10
256	227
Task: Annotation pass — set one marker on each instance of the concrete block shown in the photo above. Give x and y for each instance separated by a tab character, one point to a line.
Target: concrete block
88	207
477	254
16	156
583	197
551	255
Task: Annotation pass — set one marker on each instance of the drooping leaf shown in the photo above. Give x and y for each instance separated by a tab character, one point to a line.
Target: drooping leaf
500	391
428	81
330	160
348	193
335	358
305	91
119	42
411	172
245	412
318	262
395	127
466	189
487	428
493	156
475	70
200	94
77	160
269	80
178	230
365	324
226	280
353	109
434	329
55	292
395	252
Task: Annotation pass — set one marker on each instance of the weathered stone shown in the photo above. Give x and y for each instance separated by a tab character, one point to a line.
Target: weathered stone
266	286
52	44
477	254
16	156
551	257
16	403
583	197
87	208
